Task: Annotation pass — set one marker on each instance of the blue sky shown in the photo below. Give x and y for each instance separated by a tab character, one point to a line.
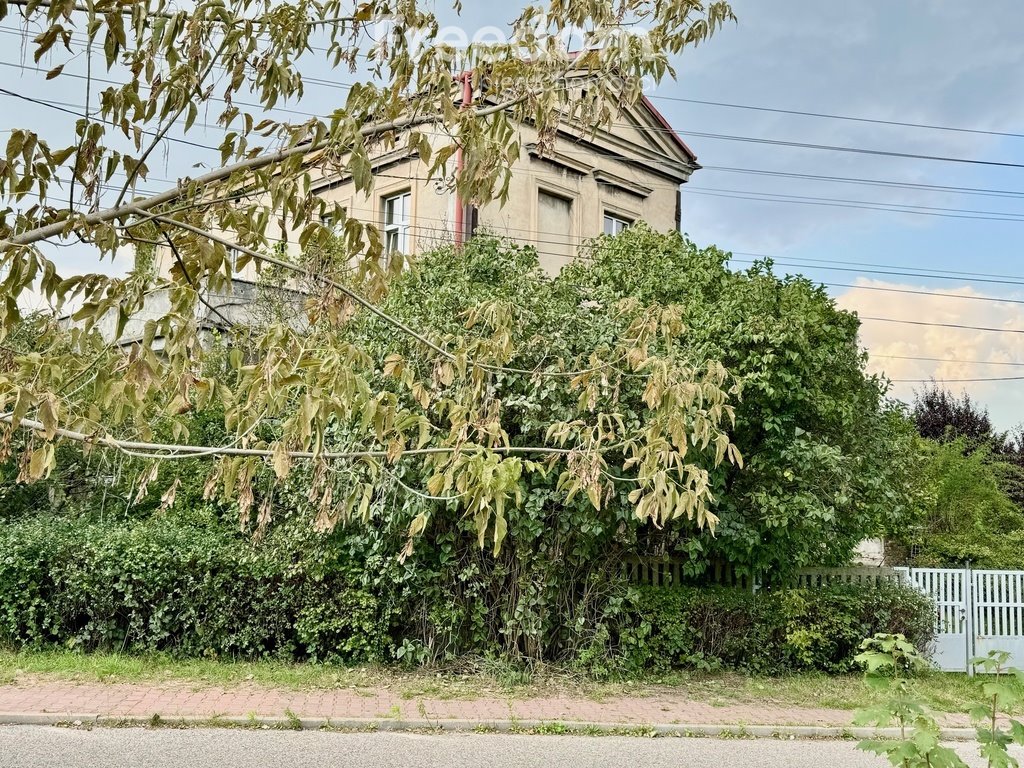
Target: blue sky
938	62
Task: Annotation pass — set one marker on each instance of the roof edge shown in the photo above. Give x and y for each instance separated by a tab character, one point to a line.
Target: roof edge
672	132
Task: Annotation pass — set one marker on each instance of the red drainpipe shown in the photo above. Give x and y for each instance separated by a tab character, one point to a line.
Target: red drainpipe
460	208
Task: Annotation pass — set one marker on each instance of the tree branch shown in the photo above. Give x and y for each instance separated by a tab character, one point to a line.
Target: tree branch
30	236
127	9
47	231
177	451
161	132
369	305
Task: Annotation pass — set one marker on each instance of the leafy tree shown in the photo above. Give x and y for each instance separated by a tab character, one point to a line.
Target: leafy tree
967	516
941	416
303	388
828	458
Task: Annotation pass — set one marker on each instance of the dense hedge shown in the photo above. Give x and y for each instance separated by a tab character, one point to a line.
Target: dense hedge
198	590
185	588
770	631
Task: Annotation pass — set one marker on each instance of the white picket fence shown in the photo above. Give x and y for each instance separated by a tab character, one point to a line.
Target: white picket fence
975	612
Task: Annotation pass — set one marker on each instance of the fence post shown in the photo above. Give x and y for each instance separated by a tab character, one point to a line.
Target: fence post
968	598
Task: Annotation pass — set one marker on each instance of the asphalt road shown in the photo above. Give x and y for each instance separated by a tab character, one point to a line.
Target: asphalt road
39	746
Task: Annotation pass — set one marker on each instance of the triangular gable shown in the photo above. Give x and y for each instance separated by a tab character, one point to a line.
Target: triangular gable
643	135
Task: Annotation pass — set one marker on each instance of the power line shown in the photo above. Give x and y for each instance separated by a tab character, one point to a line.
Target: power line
876	264
104	81
994	299
957	381
941	325
949	360
849	118
914	208
854	150
944	188
59	106
894	272
823	202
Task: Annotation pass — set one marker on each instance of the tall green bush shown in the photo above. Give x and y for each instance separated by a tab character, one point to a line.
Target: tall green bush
827	456
969	516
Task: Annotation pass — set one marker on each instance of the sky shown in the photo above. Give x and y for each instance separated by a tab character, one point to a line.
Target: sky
937	62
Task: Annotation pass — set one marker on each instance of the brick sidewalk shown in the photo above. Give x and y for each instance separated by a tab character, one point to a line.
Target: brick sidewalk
183	701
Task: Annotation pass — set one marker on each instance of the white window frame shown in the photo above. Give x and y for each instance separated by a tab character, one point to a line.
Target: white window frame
327	222
614	224
396	212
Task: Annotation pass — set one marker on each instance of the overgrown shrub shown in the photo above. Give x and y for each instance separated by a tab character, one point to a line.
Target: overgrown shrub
824	467
171	586
771	632
970	516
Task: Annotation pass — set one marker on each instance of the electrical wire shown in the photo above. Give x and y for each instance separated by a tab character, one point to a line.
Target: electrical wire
940	325
882	207
887	183
957	381
849	118
950	360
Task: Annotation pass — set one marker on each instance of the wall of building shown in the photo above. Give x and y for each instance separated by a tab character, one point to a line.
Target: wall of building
591	181
633	174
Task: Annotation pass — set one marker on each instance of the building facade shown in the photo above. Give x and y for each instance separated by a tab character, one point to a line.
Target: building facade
587	184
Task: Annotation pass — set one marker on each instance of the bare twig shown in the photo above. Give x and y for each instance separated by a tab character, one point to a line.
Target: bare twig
188	277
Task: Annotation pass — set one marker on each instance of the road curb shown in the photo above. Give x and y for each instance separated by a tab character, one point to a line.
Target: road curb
549	727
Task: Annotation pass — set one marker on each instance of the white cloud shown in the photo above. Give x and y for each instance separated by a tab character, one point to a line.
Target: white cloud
888	343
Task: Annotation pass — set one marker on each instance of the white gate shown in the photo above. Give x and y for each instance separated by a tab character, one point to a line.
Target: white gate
975	612
950	588
998	598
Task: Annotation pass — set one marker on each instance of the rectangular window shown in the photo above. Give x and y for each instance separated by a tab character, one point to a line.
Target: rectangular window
396	223
334	224
554	225
613	224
